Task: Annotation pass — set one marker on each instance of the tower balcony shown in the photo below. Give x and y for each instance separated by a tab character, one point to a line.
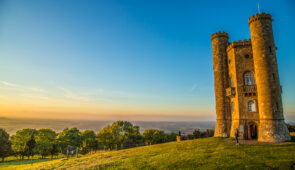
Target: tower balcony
249	89
230	92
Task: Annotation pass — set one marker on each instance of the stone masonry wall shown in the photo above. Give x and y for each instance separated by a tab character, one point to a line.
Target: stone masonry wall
219	45
272	127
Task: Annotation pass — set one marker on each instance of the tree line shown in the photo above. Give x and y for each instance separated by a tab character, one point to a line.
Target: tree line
46	142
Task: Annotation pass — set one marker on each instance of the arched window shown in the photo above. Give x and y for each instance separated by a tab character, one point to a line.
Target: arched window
249	78
251	106
232	105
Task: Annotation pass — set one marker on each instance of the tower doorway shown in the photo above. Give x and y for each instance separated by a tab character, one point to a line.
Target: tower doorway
252	131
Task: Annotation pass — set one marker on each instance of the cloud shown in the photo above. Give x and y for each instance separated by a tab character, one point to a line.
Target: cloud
34	96
193	88
20	87
71	95
114	93
8	84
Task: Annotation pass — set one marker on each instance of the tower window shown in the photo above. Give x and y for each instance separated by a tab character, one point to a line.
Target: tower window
273	76
270	50
247	56
249	78
251	106
228	61
277	106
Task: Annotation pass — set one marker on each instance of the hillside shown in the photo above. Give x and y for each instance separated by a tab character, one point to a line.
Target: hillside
206	153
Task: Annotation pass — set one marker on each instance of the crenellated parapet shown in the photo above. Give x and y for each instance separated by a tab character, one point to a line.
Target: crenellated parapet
219	34
239	44
262	16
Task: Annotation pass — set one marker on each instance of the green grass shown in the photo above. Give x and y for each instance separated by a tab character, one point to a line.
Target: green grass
15	158
206	153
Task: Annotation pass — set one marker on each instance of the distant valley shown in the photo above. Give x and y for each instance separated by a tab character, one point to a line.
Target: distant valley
11	125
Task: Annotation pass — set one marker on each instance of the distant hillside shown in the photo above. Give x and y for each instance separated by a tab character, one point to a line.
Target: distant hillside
206	153
11	125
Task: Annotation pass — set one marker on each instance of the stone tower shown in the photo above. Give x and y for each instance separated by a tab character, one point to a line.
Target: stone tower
219	45
272	126
247	87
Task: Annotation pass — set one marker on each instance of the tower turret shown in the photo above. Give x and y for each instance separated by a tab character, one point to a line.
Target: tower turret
272	127
219	45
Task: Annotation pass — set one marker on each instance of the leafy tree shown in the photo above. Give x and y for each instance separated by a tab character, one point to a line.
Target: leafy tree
123	131
119	134
106	138
153	136
5	144
20	141
54	150
170	137
45	142
134	138
88	141
30	146
197	133
69	139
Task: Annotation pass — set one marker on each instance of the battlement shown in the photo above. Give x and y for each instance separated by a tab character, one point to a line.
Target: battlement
219	34
259	17
239	44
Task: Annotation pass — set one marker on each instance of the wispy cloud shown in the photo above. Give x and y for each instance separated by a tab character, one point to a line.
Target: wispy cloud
29	95
71	95
5	83
20	87
115	93
193	88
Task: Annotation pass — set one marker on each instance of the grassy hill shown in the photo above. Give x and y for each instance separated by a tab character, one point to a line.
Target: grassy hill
205	153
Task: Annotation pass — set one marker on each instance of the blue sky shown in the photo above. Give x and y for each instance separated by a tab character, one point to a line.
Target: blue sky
126	59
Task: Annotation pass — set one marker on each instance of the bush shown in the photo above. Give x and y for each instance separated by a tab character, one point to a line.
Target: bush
291	128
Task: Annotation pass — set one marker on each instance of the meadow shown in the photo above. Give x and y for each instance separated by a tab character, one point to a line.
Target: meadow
203	153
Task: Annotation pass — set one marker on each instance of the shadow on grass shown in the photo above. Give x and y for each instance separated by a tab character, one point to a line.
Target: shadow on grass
24	162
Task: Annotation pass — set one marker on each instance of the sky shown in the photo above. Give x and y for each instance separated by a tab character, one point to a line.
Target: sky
133	60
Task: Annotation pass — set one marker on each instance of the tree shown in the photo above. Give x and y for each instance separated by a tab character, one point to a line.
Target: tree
124	131
20	141
105	137
88	141
45	142
119	135
69	140
291	128
30	146
134	138
153	136
170	137
5	144
54	150
197	133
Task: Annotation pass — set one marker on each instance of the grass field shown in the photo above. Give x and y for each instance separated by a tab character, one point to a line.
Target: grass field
205	153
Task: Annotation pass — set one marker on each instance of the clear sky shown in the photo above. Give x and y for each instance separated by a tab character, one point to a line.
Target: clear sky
131	59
